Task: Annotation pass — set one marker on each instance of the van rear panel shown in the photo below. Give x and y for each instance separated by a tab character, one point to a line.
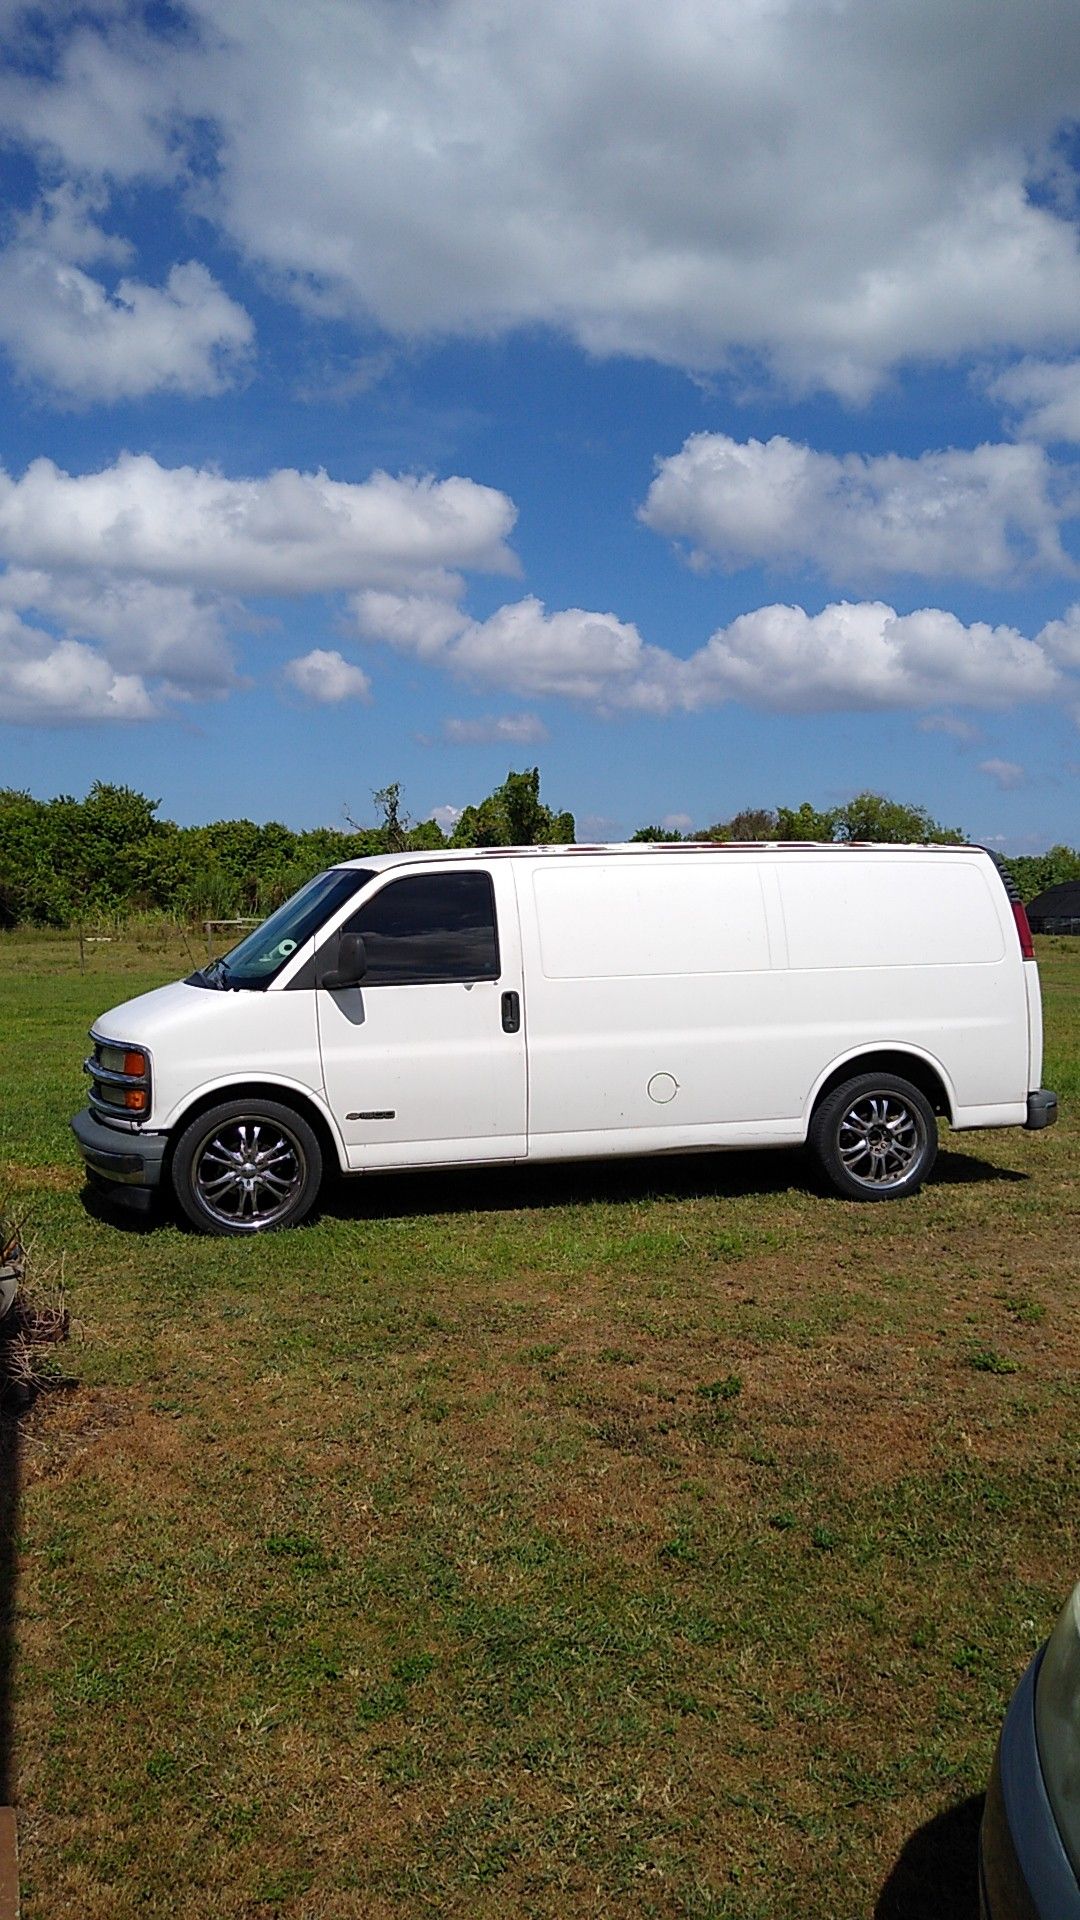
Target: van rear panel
891	912
909	950
1035	1025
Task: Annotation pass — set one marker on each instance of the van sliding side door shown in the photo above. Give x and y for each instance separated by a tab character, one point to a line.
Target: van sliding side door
424	1060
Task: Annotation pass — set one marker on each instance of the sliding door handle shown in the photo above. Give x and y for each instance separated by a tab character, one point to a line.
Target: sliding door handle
511	1012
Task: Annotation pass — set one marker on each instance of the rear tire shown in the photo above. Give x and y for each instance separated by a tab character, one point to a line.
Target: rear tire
875	1137
247	1166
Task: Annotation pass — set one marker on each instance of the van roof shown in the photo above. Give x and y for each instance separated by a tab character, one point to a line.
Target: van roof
646	848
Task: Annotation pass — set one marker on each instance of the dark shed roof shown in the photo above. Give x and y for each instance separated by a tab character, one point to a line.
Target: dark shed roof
1057	903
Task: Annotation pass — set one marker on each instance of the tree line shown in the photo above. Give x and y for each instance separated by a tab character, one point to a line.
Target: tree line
67	862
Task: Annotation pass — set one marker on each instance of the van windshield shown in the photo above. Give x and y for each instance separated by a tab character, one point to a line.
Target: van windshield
260	957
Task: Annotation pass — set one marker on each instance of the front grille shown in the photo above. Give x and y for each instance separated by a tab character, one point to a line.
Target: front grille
119	1080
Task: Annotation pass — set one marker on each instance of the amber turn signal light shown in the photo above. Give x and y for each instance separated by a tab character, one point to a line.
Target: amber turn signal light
135	1099
134	1062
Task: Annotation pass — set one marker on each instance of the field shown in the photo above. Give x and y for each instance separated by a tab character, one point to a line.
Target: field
653	1540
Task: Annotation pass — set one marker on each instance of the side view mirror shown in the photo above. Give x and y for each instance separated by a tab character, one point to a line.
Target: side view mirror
351	964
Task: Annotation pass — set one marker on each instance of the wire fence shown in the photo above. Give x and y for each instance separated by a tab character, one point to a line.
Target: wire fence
210	927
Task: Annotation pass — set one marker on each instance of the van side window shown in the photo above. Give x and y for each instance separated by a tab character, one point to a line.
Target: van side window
429	928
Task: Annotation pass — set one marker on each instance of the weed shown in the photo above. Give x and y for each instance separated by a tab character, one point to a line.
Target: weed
729	1388
988	1360
1028	1312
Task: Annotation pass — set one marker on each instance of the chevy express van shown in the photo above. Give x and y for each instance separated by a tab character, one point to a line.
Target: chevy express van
558	1003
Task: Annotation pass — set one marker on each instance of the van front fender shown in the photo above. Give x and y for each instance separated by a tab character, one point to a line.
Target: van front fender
275	1086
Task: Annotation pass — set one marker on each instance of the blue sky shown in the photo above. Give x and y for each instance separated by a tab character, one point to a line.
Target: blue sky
685	400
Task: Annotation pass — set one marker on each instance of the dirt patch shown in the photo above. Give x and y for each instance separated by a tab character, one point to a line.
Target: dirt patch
66	1433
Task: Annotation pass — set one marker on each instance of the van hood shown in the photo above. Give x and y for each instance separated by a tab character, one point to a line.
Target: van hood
152	1015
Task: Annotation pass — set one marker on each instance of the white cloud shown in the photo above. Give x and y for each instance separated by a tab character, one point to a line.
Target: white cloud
289	533
1006	774
849	657
490	729
1045	395
422	624
599	829
137	566
837	187
964	732
982	514
591	657
677	822
66	330
852	657
447	817
1061	638
50	682
326	678
170	633
579	655
109	101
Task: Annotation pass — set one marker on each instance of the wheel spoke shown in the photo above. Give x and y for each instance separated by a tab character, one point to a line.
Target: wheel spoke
276	1182
220	1182
217	1152
879	1140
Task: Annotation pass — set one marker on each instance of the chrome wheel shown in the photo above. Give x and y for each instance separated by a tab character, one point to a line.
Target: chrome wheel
249	1173
875	1137
880	1140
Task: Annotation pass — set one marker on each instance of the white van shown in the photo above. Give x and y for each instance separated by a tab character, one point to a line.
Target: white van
558	1003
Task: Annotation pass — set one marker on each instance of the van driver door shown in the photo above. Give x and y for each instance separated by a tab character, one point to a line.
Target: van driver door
424	1060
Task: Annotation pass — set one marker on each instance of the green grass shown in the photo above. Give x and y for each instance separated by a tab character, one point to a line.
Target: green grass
660	1539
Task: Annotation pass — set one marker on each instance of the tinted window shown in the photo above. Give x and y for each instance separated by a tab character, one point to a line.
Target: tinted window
430	927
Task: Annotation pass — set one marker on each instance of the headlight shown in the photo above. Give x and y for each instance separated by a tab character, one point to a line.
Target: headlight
1057	1724
119	1080
126	1060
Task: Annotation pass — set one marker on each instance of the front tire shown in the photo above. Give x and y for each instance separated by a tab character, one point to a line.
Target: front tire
247	1166
875	1137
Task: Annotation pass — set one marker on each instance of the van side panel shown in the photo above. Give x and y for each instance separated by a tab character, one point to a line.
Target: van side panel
652	1007
704	1001
632	921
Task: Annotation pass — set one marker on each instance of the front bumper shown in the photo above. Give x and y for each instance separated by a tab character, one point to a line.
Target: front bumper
1042	1110
129	1163
1024	1871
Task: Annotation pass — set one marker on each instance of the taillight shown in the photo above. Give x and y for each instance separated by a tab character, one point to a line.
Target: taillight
1027	947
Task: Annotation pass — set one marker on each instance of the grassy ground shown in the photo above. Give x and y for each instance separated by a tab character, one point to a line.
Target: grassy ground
662	1539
